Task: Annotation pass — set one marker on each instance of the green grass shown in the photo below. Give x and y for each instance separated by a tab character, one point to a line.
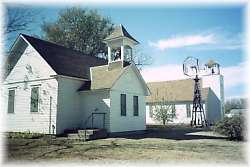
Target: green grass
140	149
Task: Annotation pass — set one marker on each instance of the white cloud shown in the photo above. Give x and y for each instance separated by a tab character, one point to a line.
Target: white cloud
233	75
217	40
224	41
183	41
163	73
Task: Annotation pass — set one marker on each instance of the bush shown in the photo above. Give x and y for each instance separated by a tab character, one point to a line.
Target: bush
24	135
231	127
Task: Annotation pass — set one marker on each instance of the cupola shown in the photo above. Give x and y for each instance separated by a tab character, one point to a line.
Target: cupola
120	46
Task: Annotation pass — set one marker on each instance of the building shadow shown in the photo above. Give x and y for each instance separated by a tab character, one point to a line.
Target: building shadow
175	133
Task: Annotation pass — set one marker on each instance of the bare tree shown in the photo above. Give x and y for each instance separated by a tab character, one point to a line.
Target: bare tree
17	19
235	103
162	108
140	58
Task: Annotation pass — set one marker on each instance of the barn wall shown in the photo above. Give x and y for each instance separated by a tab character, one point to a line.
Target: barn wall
214	108
216	83
181	114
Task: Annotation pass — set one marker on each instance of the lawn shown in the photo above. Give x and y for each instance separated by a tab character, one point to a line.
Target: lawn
171	144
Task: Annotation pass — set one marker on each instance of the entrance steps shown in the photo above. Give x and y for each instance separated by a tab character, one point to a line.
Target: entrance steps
88	134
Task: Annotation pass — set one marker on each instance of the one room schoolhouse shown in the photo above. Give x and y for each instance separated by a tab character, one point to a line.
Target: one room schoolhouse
52	89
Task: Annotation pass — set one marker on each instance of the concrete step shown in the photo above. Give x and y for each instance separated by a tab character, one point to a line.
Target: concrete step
73	136
92	134
88	131
88	134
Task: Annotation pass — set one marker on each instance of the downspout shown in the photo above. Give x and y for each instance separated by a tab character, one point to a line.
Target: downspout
50	112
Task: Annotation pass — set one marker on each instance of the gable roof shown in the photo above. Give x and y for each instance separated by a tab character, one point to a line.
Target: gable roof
105	77
64	61
118	32
174	91
102	77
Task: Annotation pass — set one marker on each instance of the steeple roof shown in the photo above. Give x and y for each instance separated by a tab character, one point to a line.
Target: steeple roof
119	32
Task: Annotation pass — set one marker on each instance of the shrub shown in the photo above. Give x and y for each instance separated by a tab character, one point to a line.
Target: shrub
24	135
231	127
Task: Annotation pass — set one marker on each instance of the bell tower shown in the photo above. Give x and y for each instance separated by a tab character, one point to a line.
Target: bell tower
120	46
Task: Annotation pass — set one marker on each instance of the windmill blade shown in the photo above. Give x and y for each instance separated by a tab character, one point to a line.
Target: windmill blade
191	66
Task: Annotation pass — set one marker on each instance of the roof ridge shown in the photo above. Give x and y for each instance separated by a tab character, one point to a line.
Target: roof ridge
169	80
49	42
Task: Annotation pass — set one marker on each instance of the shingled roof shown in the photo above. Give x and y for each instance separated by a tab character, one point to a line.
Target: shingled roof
65	61
118	32
174	91
102	77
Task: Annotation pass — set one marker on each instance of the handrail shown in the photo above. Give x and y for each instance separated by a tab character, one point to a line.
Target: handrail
86	121
85	125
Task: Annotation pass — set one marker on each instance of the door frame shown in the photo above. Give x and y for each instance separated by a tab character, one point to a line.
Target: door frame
100	113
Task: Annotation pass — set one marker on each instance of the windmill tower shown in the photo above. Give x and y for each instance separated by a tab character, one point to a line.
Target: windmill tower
192	68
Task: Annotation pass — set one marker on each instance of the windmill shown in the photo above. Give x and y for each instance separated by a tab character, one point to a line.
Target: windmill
193	69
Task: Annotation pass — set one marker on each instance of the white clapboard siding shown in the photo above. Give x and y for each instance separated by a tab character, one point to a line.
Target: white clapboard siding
216	84
31	69
95	102
130	85
30	66
24	120
69	114
180	112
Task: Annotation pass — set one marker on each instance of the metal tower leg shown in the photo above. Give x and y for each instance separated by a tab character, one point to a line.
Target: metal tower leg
198	115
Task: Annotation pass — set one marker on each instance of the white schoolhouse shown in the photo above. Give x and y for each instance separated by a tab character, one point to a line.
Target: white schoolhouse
52	88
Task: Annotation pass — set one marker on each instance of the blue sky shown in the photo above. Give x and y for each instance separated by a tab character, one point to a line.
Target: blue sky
170	34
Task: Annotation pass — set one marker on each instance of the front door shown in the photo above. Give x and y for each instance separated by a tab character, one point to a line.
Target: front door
98	120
